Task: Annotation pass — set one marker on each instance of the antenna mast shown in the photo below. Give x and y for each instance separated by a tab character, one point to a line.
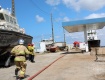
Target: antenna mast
52	29
13	8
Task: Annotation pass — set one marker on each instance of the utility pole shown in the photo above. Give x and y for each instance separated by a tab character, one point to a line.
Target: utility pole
52	29
13	8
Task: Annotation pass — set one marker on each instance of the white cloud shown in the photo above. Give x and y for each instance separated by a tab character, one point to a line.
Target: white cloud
85	4
39	19
71	3
62	19
95	15
66	19
53	2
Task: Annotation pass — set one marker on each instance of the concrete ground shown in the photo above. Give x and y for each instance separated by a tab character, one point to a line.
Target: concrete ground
73	66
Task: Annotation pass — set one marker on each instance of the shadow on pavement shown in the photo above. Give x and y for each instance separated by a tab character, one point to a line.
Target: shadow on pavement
17	77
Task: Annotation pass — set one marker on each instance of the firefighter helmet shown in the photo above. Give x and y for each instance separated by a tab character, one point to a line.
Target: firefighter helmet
21	41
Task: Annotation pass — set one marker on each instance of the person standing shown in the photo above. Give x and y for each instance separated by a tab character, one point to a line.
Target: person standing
20	52
29	49
32	53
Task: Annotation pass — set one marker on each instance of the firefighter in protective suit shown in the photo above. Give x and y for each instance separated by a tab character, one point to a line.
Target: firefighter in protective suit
32	53
20	52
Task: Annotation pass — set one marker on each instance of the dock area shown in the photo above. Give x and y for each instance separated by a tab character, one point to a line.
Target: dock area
60	66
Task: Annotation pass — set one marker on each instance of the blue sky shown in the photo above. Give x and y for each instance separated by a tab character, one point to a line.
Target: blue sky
35	17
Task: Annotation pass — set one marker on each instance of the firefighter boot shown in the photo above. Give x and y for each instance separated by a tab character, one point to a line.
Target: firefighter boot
16	71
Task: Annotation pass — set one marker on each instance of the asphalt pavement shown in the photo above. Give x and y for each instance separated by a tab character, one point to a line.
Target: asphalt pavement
60	66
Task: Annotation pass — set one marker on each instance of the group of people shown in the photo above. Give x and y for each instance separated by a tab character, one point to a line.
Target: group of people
20	52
